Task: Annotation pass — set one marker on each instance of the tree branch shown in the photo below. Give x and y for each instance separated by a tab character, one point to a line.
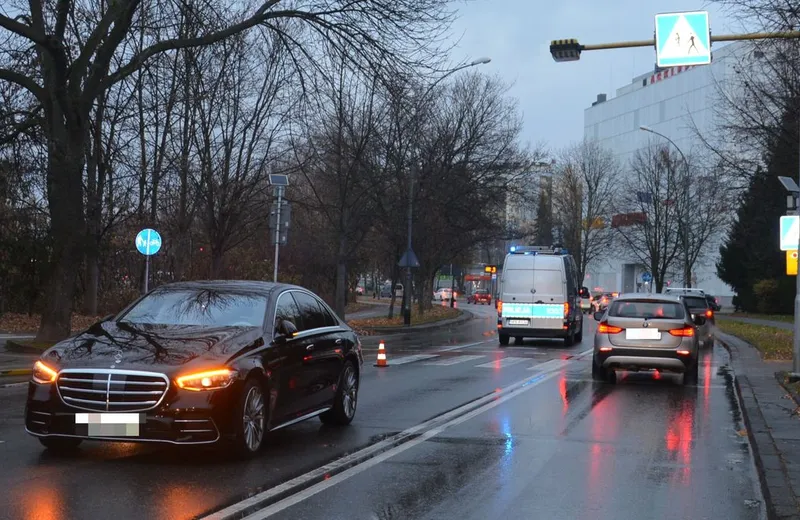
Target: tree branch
181	43
26	31
23	81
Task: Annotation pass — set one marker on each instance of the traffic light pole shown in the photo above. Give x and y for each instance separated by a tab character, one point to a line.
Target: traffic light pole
570	50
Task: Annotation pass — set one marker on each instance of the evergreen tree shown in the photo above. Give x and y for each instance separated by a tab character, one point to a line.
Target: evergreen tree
751	261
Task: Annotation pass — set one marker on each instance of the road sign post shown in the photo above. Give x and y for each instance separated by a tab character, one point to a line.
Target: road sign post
279	182
148	243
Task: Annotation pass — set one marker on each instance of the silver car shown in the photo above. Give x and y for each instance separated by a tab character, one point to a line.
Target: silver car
646	332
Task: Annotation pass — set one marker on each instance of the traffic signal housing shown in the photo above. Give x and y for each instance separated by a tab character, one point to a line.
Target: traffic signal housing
566	50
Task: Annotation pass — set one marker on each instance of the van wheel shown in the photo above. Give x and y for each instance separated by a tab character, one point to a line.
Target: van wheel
569	340
503	339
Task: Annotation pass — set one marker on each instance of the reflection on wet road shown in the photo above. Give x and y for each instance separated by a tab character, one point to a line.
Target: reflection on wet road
648	447
518	432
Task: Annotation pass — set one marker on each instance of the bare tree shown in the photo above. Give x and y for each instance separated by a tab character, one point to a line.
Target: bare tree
705	208
583	197
650	210
244	107
65	56
339	167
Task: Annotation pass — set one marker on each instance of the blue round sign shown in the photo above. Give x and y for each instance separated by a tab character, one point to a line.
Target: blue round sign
647	277
148	242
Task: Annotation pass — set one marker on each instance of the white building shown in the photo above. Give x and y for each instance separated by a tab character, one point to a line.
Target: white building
678	103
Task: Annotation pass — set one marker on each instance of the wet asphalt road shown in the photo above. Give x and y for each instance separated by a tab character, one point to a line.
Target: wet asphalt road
557	446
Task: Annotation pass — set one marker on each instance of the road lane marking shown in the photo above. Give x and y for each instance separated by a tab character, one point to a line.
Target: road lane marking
553	364
453	360
12	385
360	468
502	363
355	463
457	347
411	359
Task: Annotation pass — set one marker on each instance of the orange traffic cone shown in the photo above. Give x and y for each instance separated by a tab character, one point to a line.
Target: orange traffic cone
381	362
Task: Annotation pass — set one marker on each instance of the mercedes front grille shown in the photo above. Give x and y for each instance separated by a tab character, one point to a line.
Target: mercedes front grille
111	390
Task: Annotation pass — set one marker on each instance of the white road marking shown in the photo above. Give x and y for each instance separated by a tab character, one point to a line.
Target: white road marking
468	345
15	336
505	362
506	394
453	360
12	385
553	364
411	359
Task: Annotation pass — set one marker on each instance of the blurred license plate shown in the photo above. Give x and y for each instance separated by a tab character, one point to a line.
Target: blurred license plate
642	334
109	424
517	322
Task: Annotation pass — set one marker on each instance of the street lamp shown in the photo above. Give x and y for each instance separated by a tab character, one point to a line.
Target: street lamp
409	259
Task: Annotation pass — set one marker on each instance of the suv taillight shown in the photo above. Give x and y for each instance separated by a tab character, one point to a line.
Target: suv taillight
709	313
605	328
686	332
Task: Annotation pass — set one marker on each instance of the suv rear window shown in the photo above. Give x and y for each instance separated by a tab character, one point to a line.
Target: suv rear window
646	309
695	302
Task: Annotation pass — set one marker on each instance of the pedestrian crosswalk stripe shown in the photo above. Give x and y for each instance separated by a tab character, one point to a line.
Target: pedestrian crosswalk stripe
553	364
454	360
411	359
501	363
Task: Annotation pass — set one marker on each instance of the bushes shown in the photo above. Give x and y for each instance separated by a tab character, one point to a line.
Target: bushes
771	296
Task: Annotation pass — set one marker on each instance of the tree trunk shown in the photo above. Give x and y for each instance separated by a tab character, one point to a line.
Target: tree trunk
92	280
68	229
217	263
340	294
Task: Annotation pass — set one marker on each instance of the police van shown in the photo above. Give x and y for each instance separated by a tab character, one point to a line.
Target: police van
540	296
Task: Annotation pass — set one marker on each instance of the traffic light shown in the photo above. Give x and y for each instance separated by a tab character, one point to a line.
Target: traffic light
566	50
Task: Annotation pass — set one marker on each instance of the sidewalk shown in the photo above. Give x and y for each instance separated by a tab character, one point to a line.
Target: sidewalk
773	426
757	321
14	363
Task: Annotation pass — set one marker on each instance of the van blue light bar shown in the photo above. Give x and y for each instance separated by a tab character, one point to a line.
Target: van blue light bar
538	250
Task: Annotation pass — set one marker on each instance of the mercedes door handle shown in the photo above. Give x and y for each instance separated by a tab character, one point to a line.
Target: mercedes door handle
310	347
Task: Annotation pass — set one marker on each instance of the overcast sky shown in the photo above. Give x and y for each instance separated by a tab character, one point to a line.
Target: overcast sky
516	34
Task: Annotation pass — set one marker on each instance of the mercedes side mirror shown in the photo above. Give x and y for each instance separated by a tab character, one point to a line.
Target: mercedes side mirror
598	316
284	332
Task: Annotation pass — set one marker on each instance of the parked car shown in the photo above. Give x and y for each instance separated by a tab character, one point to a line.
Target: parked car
645	332
198	363
481	296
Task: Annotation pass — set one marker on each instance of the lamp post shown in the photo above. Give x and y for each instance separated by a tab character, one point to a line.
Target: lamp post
409	259
681	223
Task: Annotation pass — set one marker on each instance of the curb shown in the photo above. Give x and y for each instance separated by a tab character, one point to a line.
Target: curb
465	316
13	346
16	372
747	420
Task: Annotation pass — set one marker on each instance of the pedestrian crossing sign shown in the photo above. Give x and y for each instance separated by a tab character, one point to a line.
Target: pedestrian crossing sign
683	39
790	232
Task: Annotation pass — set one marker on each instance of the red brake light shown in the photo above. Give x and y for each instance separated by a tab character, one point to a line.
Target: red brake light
686	332
605	328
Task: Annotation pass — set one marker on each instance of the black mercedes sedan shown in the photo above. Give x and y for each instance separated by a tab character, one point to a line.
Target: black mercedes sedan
198	363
